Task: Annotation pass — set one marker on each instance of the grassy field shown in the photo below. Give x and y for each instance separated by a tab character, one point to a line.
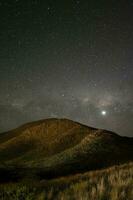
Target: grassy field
115	183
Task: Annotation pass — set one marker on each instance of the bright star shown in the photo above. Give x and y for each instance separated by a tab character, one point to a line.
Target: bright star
103	112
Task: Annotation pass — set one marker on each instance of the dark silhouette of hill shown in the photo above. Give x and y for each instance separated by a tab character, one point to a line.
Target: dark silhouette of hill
55	147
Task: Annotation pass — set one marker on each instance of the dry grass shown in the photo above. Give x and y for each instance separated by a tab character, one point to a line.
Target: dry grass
43	138
60	147
114	183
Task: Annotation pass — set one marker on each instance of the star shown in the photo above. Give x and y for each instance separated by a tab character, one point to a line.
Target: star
103	112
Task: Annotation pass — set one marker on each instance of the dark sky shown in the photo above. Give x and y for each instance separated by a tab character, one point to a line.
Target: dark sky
71	59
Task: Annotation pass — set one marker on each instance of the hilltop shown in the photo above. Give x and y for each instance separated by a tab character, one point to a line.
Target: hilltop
55	147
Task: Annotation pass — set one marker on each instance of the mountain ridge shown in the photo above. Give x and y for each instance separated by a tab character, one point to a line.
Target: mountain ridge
55	147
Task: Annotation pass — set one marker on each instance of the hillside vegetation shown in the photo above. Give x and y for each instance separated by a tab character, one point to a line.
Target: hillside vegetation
55	147
115	183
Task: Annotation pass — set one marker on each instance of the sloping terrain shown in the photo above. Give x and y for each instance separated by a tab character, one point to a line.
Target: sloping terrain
114	183
55	147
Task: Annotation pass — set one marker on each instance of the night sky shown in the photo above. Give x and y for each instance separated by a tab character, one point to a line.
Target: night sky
67	59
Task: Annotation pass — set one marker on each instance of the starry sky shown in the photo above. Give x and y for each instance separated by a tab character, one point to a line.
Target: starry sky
67	59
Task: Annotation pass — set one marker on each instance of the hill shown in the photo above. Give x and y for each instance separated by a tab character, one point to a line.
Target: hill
55	147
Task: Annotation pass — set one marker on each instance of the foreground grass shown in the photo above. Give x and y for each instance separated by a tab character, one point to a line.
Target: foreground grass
114	183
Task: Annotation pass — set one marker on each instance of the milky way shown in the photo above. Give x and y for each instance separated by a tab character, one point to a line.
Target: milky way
71	59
